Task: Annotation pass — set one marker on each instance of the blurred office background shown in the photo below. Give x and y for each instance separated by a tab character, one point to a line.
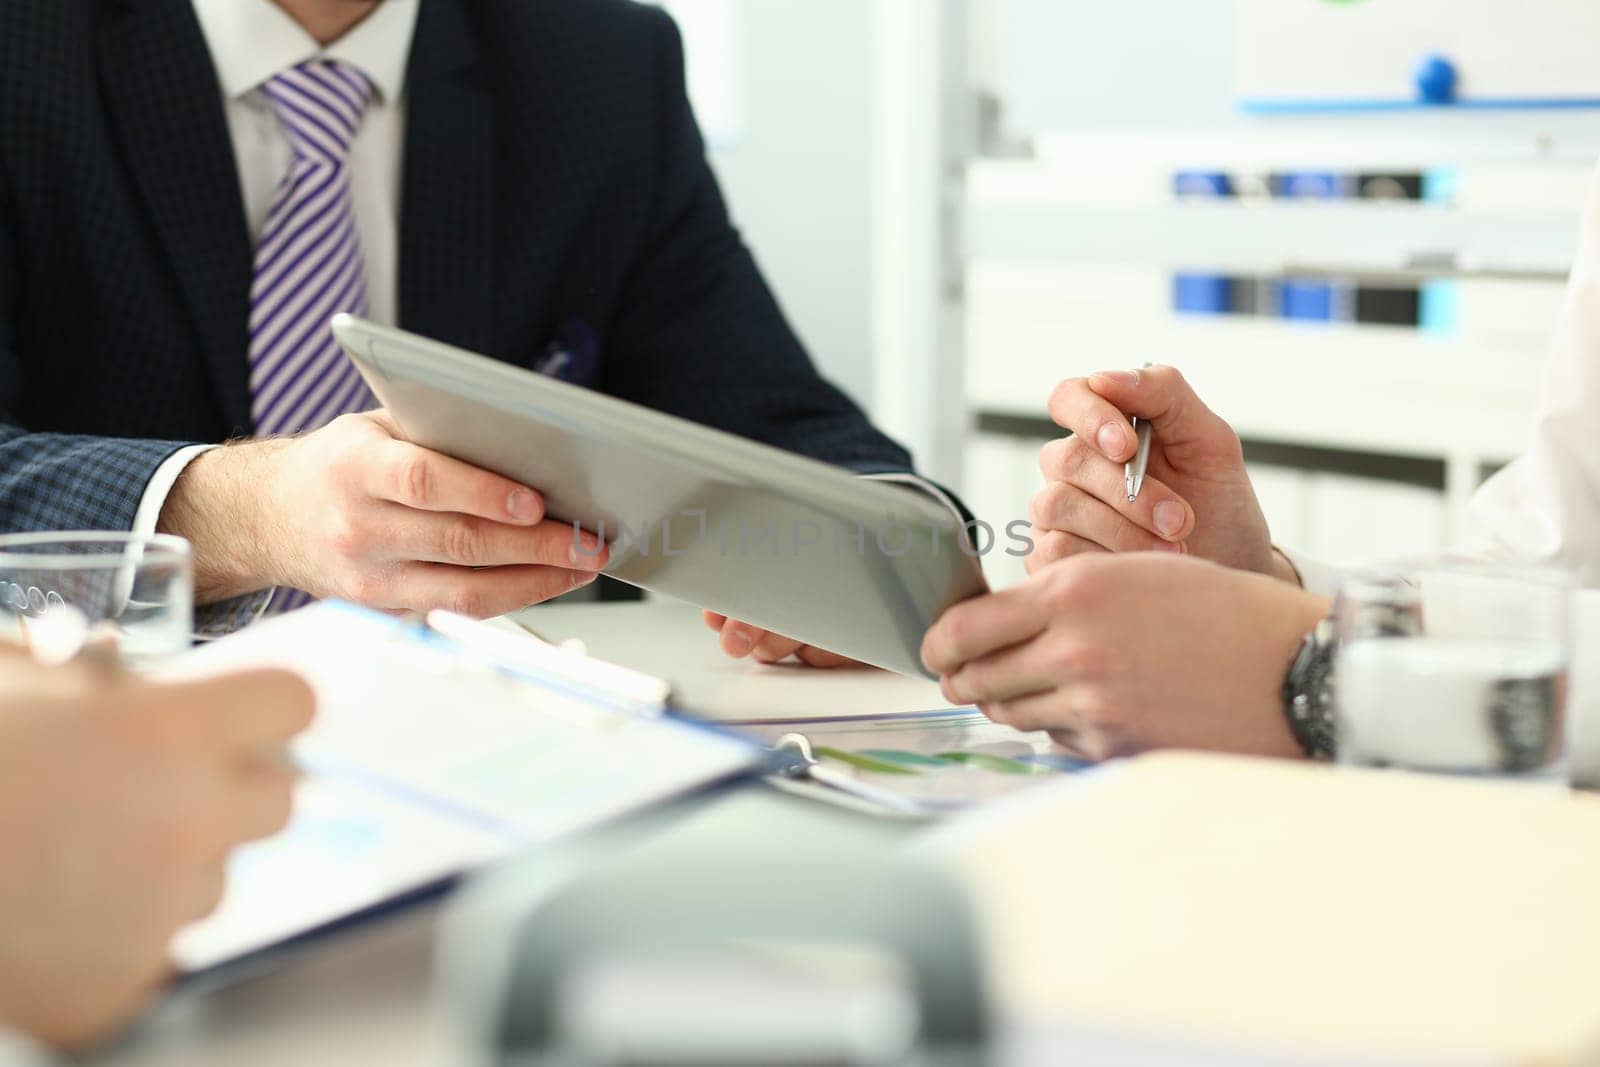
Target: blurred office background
961	202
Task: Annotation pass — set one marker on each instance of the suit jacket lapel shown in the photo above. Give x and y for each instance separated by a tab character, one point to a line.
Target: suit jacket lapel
447	218
162	92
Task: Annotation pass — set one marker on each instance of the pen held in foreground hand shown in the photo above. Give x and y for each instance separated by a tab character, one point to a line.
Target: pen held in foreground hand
1133	471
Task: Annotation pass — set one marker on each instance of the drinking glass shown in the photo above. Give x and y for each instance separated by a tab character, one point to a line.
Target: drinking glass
130	594
1454	667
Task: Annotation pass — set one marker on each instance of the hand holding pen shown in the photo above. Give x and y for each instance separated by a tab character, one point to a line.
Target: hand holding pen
1133	471
1147	467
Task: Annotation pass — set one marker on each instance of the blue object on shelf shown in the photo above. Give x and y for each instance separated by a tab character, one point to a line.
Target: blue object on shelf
1202	294
1435	78
1306	301
1440	184
1439	312
1310	301
1201	183
1192	293
1311	185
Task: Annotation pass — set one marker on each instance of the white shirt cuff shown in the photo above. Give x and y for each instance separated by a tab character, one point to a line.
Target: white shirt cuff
160	486
212	620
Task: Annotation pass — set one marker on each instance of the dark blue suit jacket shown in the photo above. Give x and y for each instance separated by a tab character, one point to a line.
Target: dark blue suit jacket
558	213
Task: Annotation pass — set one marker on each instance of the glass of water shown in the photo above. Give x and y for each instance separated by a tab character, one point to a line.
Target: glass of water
133	595
1454	667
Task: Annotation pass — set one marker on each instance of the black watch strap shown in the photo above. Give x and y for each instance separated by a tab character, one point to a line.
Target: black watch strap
1308	693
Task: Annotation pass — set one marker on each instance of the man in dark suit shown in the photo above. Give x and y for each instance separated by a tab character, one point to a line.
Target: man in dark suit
189	189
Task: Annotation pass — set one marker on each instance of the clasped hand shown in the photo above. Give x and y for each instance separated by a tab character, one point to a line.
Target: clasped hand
1180	639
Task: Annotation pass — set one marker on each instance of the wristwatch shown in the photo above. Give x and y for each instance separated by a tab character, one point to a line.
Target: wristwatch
1308	692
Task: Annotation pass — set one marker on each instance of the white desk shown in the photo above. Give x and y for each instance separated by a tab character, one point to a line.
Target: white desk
364	997
367	997
668	639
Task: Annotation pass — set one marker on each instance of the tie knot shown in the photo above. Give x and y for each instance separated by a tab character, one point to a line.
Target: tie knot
320	103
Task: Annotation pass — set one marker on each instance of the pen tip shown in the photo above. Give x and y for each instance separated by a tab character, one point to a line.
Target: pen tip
1132	497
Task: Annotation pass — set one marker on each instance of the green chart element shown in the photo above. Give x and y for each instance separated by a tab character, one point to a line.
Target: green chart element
997	764
902	758
861	761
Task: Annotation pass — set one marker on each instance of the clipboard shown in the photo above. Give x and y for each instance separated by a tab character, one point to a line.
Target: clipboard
432	757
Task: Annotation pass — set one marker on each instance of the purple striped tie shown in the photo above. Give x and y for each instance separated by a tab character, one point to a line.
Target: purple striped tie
309	264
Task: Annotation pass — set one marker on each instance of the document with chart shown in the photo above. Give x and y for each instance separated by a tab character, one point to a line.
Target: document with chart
426	762
917	763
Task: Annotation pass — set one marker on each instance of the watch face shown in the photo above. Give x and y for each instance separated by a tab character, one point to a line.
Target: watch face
1308	692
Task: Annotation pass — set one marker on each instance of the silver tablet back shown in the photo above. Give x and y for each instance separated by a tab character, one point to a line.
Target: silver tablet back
777	540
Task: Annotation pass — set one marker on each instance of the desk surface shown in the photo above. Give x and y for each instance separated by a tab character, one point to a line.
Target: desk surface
366	996
667	638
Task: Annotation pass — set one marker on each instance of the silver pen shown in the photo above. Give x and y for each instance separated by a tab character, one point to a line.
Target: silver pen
1133	470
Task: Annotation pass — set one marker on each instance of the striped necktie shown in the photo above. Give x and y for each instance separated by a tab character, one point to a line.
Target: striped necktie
309	264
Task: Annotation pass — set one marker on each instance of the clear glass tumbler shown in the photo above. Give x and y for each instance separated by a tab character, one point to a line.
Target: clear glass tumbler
1456	668
131	594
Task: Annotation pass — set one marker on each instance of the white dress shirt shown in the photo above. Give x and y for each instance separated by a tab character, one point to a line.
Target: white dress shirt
1544	508
250	42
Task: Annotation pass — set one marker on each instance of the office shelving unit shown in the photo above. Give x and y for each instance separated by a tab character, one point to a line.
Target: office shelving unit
1068	263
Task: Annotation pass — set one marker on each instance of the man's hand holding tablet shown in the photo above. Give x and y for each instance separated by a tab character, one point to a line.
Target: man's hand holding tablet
740	639
356	512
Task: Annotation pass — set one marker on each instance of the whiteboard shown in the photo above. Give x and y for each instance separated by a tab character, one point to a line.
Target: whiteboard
1333	54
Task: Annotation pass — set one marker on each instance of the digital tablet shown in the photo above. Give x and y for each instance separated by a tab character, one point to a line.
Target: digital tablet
777	540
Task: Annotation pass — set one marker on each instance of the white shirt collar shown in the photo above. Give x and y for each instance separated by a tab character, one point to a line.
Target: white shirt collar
252	40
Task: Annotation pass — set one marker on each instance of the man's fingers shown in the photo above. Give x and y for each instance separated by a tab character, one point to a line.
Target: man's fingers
1155	522
740	639
1052	545
478	593
1019	671
737	639
774	648
1070	740
812	656
1093	418
259	806
983	624
473	542
252	713
1049	710
199	890
1161	395
429	481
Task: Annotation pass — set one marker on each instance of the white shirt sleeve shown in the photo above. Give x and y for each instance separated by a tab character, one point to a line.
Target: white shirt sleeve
160	485
1545	507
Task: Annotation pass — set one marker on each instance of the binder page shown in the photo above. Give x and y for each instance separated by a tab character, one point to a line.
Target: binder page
423	764
921	762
